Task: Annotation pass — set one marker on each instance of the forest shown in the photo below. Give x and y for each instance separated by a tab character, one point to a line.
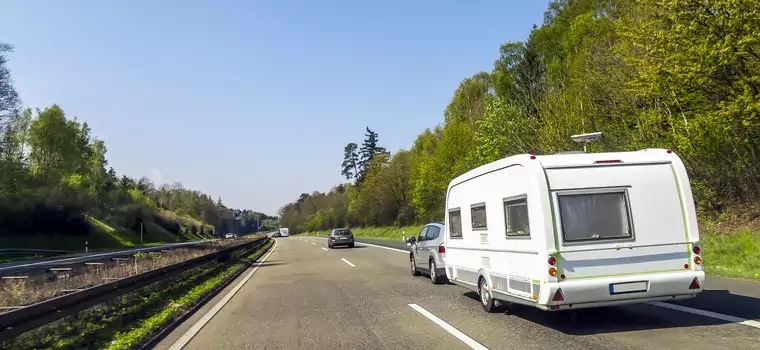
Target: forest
55	181
675	74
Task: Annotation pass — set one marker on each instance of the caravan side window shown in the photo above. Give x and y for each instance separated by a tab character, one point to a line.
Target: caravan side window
478	216
455	223
516	217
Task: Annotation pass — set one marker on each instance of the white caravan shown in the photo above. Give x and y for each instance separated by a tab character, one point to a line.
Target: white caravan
284	232
570	231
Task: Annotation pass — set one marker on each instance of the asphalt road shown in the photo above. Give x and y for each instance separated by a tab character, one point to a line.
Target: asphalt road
307	297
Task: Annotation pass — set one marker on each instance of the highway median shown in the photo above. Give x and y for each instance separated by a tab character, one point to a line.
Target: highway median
129	312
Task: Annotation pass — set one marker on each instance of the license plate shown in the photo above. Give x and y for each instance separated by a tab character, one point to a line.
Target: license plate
341	237
628	287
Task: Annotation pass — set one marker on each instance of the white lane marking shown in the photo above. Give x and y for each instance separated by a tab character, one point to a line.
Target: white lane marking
723	317
325	249
389	248
210	314
313	243
347	262
449	328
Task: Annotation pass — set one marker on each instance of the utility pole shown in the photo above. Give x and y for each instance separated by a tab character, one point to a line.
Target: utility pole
141	231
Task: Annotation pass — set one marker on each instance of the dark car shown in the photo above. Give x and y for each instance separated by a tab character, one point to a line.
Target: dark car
340	236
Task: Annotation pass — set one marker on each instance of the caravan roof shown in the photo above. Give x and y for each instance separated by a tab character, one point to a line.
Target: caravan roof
650	155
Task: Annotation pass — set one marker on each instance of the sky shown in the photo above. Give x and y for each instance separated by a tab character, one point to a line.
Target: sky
253	101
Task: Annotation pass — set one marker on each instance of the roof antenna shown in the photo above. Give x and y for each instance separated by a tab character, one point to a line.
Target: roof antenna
586	138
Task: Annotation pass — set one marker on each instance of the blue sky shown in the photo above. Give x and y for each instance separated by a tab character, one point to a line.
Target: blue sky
253	101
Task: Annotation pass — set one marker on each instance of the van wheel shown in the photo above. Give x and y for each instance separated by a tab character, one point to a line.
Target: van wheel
433	276
413	265
486	299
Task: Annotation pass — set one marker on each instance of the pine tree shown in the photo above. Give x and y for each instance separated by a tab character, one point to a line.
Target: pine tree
350	166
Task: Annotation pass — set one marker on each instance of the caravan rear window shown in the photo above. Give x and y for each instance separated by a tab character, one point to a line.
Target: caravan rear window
595	216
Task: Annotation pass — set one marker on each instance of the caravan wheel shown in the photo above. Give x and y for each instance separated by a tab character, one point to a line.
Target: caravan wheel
486	299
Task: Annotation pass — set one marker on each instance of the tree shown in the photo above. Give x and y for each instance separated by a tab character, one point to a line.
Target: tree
350	166
368	151
469	99
59	147
10	103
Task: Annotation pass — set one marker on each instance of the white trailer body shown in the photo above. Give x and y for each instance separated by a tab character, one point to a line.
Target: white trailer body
284	232
571	231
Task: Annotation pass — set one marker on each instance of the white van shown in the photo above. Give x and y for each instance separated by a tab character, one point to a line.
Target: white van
283	232
570	231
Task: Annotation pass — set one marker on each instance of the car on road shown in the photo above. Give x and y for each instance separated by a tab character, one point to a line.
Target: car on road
230	235
426	252
340	236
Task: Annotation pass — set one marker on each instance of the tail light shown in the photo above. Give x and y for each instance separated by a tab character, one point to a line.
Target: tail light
697	260
441	248
552	271
696	250
552	260
558	296
694	284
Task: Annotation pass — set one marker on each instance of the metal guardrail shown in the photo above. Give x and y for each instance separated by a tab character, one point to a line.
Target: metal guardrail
79	258
33	251
21	320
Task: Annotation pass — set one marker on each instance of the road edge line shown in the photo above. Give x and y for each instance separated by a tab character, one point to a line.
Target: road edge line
449	328
700	312
193	331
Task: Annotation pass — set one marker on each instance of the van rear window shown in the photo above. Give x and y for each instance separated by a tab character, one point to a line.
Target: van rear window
595	216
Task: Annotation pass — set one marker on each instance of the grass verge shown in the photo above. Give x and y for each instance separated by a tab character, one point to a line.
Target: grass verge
129	321
732	255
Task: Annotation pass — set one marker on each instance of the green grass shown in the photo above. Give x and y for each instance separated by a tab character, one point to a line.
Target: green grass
387	233
725	254
732	255
101	237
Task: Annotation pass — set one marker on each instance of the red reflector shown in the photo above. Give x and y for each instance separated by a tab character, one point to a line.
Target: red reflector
558	295
669	151
532	157
685	266
562	276
694	284
697	250
441	249
607	161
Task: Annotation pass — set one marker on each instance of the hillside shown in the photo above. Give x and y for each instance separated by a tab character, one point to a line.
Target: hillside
57	190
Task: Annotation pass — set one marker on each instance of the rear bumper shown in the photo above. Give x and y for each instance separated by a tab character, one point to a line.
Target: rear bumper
341	242
596	292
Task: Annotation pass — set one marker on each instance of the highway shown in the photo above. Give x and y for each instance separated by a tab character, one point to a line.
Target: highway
304	296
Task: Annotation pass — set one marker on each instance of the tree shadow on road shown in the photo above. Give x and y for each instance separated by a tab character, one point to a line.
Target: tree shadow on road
635	317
